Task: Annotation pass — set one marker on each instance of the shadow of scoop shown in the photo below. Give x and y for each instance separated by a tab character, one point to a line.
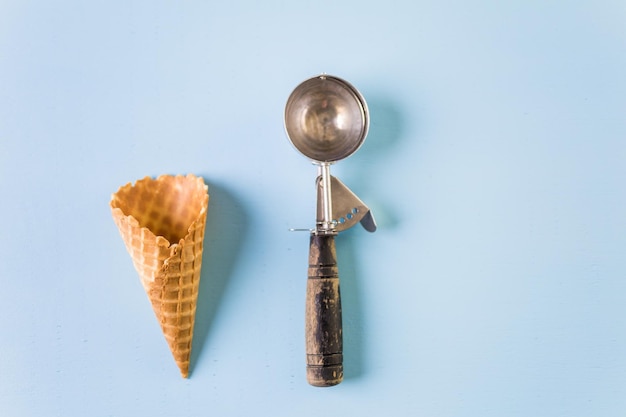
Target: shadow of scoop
387	125
387	130
225	231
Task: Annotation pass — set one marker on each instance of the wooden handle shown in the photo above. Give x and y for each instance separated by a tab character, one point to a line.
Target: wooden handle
324	339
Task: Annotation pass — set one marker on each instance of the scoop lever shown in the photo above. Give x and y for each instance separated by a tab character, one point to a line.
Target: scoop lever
347	209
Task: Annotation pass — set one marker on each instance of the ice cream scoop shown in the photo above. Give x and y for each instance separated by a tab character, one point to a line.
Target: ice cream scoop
327	120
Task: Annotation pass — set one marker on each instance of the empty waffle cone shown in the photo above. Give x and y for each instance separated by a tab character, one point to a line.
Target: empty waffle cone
162	223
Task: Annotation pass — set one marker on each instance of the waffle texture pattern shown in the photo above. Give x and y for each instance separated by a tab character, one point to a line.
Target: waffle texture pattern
162	223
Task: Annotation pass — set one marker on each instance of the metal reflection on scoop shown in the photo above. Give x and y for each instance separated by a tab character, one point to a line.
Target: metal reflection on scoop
326	119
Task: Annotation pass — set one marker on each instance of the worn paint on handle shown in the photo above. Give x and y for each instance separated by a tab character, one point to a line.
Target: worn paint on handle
324	338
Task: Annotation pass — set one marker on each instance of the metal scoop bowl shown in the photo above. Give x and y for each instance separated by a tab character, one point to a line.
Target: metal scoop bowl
327	120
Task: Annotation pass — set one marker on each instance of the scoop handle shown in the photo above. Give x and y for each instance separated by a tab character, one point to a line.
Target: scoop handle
324	339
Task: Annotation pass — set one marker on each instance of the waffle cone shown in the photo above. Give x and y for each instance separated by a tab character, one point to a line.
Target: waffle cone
162	223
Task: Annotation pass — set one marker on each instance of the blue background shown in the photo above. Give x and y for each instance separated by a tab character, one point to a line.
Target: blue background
495	166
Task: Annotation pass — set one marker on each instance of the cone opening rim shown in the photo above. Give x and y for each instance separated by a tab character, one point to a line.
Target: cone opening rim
196	190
